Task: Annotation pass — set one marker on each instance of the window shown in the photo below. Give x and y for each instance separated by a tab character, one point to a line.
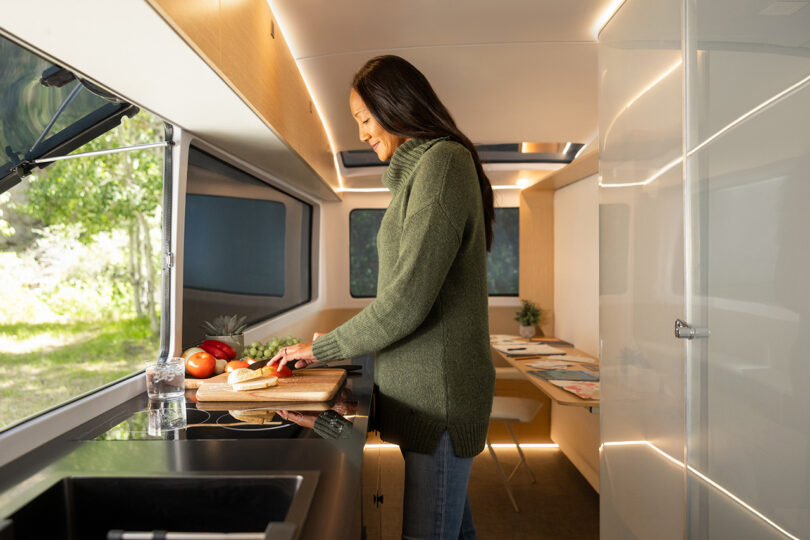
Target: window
502	260
79	238
46	110
246	246
363	227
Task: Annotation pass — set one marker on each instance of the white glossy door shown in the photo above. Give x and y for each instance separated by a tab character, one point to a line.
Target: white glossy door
705	216
748	229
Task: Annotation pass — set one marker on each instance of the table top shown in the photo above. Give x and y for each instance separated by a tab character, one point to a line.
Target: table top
557	394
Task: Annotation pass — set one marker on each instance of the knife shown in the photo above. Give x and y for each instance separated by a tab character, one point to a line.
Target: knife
348	367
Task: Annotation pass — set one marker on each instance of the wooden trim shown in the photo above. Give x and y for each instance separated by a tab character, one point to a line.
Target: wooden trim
233	38
579	169
537	253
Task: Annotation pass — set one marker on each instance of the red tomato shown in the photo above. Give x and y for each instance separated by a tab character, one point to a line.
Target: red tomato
282	372
201	365
224	347
235	364
214	351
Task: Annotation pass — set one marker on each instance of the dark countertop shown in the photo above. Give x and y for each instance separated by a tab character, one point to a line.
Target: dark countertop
335	507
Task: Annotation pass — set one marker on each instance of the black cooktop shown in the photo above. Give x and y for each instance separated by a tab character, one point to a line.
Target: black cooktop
181	419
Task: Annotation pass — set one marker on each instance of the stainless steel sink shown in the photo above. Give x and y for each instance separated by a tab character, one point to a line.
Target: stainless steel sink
271	505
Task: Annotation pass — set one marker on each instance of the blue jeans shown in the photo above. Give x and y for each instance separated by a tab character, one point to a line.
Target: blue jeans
436	505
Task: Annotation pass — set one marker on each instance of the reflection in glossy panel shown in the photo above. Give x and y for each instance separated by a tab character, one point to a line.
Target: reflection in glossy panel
641	272
748	416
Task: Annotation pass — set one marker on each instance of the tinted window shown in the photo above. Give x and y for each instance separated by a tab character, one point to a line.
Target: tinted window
502	260
246	246
363	227
43	106
242	225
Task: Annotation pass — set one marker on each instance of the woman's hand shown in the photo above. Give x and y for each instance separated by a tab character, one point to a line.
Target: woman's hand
300	353
303	419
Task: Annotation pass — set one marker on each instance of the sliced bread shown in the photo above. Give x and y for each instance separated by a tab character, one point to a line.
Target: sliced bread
243	374
255	384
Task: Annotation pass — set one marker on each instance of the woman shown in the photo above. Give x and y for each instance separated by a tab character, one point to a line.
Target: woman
429	321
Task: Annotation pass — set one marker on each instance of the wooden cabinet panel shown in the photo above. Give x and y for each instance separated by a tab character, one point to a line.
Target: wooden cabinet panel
241	41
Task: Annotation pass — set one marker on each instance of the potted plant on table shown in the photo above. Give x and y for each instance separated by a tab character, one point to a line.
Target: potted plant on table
227	329
528	317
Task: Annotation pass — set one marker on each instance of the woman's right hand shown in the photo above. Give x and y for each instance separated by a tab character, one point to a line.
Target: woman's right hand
300	353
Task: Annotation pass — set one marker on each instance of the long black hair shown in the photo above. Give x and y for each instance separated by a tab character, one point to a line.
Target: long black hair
401	99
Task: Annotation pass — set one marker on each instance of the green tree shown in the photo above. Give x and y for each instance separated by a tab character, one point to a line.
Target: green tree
119	191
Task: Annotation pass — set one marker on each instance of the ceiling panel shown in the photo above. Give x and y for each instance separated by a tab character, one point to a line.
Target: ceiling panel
508	71
326	27
497	93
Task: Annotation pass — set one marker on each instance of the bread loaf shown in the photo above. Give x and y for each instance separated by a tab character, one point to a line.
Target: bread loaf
255	384
243	374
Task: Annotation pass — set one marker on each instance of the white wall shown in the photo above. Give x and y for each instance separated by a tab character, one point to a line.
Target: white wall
576	264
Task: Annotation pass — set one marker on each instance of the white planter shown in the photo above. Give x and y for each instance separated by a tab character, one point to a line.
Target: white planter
237	342
527	331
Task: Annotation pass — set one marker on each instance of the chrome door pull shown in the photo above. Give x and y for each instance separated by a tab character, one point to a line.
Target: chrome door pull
684	331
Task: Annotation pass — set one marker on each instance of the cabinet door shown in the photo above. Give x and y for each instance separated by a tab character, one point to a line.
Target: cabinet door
747	163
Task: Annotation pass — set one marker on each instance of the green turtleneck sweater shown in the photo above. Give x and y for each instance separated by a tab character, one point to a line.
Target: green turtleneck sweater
429	322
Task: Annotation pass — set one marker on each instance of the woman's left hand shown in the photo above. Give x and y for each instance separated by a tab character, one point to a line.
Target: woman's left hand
303	419
300	353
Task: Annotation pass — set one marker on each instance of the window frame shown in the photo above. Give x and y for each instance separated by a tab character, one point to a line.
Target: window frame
267	180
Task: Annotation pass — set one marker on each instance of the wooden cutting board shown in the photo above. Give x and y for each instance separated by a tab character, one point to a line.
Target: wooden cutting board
319	384
192	383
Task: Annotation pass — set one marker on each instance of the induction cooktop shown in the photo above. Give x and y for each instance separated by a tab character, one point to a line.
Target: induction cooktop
181	419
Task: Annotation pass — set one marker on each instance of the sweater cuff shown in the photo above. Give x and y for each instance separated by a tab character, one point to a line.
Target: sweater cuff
326	348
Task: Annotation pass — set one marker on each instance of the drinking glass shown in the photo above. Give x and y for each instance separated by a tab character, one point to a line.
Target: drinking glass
165	379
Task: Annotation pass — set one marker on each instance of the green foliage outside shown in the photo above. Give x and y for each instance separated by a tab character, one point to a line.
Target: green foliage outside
502	260
45	364
363	227
79	252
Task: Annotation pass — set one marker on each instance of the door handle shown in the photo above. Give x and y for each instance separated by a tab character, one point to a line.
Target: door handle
684	331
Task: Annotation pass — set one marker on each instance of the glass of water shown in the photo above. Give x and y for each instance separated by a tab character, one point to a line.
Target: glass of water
166	379
165	416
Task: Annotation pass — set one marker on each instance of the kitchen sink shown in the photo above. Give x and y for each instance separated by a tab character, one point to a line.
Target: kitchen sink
78	507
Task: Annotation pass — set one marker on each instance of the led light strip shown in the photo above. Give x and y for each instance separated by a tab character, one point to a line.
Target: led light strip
731	125
326	129
752	112
380	190
549	446
362	190
605	17
646	181
706	479
638	96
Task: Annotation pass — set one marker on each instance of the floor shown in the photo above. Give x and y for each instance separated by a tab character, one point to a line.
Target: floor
561	505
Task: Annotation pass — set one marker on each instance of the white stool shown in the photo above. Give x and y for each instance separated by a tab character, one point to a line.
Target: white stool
507	410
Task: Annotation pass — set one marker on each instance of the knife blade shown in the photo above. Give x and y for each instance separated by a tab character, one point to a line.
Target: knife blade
348	367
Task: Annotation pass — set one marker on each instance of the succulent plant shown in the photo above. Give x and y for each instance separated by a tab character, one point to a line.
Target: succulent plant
529	315
225	325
